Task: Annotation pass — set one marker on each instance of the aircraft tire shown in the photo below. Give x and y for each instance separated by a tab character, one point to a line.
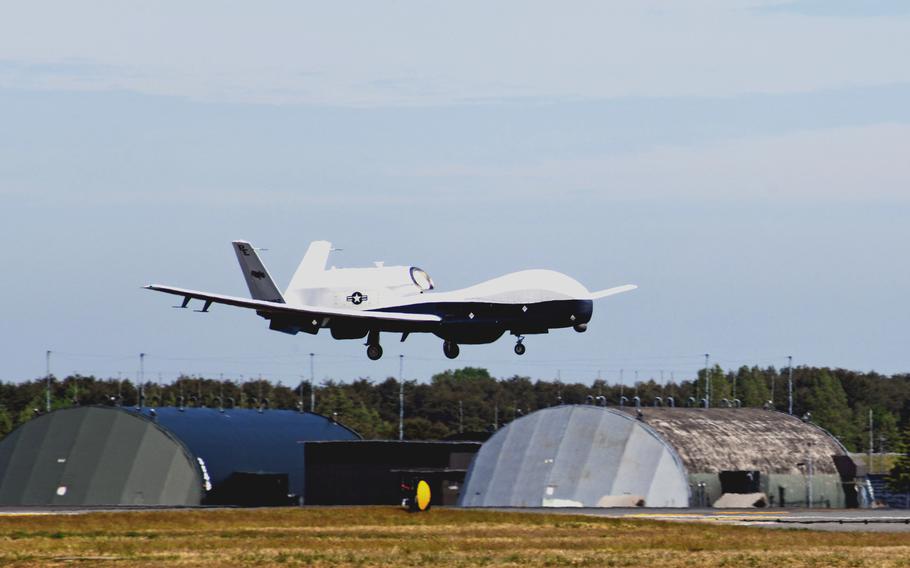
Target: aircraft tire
520	349
450	348
374	351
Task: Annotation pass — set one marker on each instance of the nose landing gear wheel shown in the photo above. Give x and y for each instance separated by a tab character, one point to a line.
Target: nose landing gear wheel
450	348
519	349
374	351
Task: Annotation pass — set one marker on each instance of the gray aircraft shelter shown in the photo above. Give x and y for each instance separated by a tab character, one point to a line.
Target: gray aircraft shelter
592	456
113	456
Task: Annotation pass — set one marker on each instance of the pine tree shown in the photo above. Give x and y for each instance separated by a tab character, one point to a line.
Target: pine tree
899	478
6	422
826	400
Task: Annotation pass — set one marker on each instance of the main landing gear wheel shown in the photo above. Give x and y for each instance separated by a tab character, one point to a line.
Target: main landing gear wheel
450	348
374	351
519	346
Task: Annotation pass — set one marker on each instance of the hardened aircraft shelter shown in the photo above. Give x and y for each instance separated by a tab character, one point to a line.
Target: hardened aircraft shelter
113	456
592	456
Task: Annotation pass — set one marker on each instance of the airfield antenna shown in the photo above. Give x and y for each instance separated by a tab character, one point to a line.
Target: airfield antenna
790	384
47	365
707	382
401	397
312	385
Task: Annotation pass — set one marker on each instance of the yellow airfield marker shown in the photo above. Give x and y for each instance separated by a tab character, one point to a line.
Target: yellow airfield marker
423	495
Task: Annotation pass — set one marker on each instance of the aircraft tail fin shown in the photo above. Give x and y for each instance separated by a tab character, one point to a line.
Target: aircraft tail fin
260	283
313	263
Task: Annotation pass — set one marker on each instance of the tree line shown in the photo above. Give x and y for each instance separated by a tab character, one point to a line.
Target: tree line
470	400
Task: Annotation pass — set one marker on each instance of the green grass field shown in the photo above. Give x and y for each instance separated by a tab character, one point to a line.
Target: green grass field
386	536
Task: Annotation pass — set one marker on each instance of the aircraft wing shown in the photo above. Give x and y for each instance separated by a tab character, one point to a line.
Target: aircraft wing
288	309
612	291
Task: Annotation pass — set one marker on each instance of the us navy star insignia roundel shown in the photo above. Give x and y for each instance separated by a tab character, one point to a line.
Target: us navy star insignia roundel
357	298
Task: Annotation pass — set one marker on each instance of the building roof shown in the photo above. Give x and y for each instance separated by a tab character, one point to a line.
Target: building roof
96	456
245	440
711	440
582	456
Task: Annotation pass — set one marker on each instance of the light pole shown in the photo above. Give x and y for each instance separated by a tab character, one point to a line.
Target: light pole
871	438
622	387
772	389
141	376
312	386
810	470
401	397
47	365
707	382
790	384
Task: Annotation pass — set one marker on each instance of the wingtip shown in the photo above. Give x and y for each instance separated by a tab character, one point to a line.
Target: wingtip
613	291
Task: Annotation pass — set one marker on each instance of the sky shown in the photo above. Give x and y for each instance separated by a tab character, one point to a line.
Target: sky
745	162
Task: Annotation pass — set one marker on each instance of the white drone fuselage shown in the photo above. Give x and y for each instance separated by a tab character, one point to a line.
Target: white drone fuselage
354	303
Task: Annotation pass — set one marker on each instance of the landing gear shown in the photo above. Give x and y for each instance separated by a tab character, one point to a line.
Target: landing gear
374	351
580	327
520	347
450	348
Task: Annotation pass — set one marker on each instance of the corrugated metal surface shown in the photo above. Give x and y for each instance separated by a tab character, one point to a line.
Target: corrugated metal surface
96	456
723	439
583	456
124	456
249	441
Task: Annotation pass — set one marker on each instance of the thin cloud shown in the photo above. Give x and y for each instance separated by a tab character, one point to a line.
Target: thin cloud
858	163
414	53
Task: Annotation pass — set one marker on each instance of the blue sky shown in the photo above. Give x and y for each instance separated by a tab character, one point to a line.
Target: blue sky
745	163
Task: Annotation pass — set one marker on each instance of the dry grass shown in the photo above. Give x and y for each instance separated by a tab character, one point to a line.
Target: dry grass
381	536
